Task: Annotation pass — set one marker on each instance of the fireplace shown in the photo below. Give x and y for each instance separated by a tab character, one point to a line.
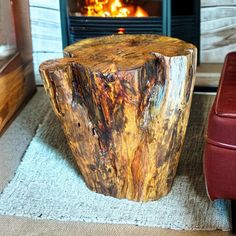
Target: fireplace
92	18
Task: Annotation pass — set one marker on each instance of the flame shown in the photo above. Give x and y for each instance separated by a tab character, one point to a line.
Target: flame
140	12
113	8
115	5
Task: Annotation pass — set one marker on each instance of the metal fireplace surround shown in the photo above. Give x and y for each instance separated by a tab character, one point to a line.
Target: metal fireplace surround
180	19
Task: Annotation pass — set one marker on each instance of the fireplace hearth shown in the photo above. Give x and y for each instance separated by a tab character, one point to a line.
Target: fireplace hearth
92	18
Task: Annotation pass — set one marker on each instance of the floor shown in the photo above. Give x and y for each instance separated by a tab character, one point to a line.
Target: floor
208	75
13	143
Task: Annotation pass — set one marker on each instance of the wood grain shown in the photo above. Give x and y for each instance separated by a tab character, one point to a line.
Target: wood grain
218	29
11	89
16	72
124	102
46	32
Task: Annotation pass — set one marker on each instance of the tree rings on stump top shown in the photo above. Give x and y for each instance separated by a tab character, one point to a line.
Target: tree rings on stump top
124	52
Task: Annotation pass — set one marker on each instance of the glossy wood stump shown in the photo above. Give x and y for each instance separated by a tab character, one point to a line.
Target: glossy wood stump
124	102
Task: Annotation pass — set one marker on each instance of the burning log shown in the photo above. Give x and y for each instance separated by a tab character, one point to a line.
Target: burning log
124	103
113	8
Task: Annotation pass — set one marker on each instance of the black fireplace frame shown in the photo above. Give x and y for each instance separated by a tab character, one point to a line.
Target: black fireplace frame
185	27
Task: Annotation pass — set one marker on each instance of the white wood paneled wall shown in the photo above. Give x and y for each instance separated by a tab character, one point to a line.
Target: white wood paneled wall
46	32
218	30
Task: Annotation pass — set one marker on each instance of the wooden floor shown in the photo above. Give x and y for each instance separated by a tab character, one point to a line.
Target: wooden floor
13	144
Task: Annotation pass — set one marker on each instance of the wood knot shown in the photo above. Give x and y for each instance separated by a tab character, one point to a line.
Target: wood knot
134	43
109	77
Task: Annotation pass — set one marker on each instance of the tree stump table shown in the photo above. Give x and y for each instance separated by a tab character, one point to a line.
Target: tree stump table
124	102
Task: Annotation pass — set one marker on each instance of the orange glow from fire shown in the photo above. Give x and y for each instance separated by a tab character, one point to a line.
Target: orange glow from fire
121	31
113	8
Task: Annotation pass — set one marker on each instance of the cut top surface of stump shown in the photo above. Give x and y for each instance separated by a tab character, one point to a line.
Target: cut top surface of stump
124	52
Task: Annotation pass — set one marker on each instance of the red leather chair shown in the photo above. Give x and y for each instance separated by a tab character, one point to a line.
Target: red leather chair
220	148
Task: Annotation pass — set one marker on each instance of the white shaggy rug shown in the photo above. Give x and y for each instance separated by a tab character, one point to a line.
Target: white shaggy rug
47	185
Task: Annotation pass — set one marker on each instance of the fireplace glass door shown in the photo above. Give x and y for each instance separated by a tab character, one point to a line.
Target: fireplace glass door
115	8
93	18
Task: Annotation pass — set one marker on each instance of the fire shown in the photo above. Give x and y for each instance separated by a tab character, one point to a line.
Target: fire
113	8
140	12
121	31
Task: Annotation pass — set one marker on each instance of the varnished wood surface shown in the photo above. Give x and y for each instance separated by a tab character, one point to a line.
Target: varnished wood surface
16	86
16	73
124	52
124	103
11	89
